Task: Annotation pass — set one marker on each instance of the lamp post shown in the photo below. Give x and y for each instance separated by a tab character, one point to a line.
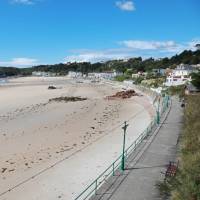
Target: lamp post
124	143
158	112
167	101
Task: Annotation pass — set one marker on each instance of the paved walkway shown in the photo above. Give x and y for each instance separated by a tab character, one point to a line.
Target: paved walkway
144	168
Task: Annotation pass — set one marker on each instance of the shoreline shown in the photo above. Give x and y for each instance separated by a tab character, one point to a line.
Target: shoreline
90	160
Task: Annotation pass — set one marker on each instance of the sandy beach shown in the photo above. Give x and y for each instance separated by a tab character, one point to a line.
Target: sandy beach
53	150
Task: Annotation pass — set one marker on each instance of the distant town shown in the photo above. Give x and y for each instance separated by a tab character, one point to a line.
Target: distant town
154	73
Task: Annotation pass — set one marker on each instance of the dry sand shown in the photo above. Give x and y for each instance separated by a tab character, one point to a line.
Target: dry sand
54	150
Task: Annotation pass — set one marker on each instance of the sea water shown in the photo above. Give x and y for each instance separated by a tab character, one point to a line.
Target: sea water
3	81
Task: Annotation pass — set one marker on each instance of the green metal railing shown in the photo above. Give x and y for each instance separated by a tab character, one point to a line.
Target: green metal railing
110	171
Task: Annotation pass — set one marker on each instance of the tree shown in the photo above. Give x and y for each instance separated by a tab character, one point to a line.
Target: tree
133	64
195	60
197	46
196	79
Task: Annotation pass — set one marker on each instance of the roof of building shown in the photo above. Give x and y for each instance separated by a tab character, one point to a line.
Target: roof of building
184	67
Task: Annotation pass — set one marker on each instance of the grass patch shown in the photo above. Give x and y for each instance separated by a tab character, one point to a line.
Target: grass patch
176	90
186	184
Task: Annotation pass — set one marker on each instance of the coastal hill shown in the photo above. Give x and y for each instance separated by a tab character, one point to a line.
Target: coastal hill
135	64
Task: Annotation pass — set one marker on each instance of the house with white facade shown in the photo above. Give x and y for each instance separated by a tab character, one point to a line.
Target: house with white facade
43	74
72	74
139	74
180	75
159	71
94	75
104	75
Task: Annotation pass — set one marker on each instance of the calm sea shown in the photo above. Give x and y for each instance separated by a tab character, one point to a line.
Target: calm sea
3	81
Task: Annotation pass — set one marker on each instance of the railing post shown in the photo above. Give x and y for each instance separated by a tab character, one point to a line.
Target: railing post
158	112
113	169
167	101
126	154
135	144
147	132
96	187
151	125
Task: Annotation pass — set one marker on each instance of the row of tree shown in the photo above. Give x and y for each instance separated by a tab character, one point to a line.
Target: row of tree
133	64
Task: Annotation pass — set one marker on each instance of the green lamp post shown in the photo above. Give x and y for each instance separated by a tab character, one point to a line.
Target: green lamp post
124	143
158	112
167	101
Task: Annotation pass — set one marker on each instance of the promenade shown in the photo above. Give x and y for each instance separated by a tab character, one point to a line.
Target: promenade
148	164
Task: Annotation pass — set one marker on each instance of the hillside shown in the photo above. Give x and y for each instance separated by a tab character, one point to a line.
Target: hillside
135	64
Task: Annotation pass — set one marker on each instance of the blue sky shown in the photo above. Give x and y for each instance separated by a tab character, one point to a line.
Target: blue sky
52	31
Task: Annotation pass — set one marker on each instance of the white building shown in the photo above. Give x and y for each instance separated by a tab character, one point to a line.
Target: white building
104	75
180	75
72	74
139	74
94	75
128	83
43	74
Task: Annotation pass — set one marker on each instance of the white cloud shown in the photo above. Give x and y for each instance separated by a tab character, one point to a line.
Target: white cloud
25	2
125	5
192	43
149	45
96	56
160	46
132	48
20	62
